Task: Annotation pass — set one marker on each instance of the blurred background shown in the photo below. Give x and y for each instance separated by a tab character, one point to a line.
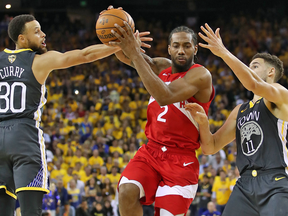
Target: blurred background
95	115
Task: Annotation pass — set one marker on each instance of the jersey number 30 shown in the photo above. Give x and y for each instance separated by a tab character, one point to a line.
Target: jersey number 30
9	97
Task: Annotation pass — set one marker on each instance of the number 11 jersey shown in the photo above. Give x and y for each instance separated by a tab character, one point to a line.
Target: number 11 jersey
21	95
172	125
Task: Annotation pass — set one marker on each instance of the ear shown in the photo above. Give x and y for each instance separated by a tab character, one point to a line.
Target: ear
21	39
169	51
196	50
272	72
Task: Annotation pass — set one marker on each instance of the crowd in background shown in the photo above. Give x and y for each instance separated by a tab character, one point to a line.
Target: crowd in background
95	115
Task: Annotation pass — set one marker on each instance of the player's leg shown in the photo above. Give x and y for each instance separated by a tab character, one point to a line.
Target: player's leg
241	201
29	166
30	202
276	205
138	184
7	204
7	187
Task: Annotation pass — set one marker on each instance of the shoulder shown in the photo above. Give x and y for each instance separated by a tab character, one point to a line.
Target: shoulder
161	63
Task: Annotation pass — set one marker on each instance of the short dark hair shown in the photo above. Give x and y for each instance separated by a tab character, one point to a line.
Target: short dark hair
183	29
274	61
17	25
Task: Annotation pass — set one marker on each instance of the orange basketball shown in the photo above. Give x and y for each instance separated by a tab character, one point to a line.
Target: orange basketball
106	21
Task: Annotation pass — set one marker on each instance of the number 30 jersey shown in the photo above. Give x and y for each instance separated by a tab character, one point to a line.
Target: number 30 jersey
21	95
172	125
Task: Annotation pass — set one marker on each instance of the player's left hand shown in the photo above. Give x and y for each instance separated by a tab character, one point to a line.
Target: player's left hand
197	112
129	43
215	44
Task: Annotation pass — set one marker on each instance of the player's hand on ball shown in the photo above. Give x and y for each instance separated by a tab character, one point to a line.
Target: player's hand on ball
215	44
197	112
109	8
129	44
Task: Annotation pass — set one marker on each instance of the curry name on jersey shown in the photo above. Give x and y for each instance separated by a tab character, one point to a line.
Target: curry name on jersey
261	138
21	95
172	125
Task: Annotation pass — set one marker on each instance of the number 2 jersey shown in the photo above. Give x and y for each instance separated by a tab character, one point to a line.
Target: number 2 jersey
172	125
261	138
21	95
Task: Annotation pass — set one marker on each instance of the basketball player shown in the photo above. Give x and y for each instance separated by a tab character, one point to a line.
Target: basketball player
23	166
166	169
260	129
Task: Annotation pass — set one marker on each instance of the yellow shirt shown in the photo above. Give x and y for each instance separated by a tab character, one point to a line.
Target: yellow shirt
113	149
114	179
82	159
102	178
202	174
66	179
55	173
98	160
222	190
131	154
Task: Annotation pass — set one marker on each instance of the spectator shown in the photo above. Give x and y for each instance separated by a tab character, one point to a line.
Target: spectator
211	210
204	192
82	210
221	191
74	194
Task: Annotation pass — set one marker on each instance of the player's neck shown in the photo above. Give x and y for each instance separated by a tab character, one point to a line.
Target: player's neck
255	99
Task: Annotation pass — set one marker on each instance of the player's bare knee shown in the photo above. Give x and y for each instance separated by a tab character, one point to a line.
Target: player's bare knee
129	192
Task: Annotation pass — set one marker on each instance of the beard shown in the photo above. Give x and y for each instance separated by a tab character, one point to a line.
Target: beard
37	48
182	67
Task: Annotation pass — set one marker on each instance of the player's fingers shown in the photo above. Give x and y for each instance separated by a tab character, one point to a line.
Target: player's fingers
207	46
205	31
145	45
209	29
113	43
142	50
120	8
116	34
204	37
144	33
102	11
123	32
218	33
145	38
110	7
129	29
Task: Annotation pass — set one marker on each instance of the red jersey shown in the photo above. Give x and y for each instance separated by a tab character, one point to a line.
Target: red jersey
172	125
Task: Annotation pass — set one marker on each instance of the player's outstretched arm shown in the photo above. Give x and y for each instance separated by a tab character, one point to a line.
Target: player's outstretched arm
212	143
272	92
52	60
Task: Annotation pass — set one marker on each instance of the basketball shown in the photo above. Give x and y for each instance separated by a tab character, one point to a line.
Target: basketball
106	21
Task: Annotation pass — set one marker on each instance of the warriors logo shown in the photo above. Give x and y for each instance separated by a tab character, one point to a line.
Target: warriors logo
11	58
251	138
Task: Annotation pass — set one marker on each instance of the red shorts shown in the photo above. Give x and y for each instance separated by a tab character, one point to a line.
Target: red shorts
169	176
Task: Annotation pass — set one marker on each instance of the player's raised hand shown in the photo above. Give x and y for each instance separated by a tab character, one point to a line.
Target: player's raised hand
215	44
197	112
144	39
109	8
129	43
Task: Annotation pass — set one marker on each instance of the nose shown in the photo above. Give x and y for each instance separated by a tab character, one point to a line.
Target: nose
181	51
43	34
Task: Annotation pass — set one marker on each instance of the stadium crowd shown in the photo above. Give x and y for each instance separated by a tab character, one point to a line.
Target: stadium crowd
95	115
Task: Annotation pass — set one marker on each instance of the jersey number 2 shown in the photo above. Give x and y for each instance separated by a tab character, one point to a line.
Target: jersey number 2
159	118
9	97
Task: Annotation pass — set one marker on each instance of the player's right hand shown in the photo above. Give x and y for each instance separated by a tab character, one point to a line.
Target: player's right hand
197	112
143	39
111	7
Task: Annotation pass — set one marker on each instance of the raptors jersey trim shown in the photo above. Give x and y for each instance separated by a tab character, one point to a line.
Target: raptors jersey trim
172	125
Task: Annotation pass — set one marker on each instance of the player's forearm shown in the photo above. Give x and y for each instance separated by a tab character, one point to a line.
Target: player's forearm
246	76
154	85
206	139
98	51
123	58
